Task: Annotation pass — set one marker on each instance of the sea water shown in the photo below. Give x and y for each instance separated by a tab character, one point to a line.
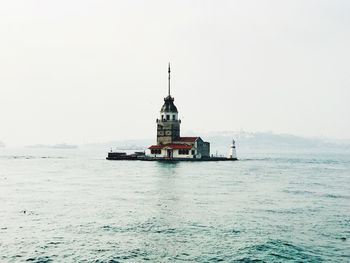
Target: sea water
69	206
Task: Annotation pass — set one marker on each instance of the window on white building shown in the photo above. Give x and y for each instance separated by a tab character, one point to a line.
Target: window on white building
156	151
183	152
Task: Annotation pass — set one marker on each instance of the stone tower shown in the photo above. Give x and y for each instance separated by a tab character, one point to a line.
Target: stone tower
168	126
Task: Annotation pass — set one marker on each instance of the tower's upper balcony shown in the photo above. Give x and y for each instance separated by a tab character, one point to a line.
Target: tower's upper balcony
168	121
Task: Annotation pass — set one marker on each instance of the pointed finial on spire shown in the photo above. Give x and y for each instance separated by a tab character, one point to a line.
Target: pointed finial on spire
169	79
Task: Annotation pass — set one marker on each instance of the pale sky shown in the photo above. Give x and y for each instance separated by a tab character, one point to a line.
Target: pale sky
80	71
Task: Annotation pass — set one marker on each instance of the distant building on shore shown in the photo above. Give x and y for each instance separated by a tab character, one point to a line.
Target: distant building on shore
170	144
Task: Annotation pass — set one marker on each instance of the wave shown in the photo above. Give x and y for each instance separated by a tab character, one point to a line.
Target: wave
336	196
40	259
299	192
277	251
327	195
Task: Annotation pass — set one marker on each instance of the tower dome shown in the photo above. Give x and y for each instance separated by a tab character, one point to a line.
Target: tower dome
168	105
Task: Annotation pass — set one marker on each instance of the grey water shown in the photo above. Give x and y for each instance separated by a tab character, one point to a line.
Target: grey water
74	206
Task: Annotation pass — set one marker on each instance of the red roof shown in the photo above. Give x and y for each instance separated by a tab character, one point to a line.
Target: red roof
155	147
187	139
171	146
179	146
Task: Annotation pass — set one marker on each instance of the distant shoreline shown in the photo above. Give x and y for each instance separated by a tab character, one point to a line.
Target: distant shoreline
55	146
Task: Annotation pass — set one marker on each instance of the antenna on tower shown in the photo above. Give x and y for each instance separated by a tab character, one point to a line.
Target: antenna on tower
169	79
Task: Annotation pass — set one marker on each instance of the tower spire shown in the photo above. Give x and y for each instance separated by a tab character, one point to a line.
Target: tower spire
169	79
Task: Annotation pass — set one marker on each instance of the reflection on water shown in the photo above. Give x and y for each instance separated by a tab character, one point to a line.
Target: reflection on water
74	207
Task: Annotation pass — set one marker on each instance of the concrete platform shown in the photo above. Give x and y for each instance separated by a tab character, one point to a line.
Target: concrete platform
151	159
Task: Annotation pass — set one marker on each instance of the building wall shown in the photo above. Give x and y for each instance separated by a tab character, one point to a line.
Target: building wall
177	155
206	149
203	148
164	153
148	153
167	131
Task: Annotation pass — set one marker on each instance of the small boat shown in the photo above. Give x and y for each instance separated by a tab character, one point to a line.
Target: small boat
123	156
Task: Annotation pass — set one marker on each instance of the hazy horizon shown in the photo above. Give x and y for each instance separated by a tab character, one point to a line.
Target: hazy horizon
221	139
95	71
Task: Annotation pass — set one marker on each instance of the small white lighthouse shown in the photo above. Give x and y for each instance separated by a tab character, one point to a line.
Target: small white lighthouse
232	154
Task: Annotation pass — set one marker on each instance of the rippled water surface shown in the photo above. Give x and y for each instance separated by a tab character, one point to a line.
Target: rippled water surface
70	207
